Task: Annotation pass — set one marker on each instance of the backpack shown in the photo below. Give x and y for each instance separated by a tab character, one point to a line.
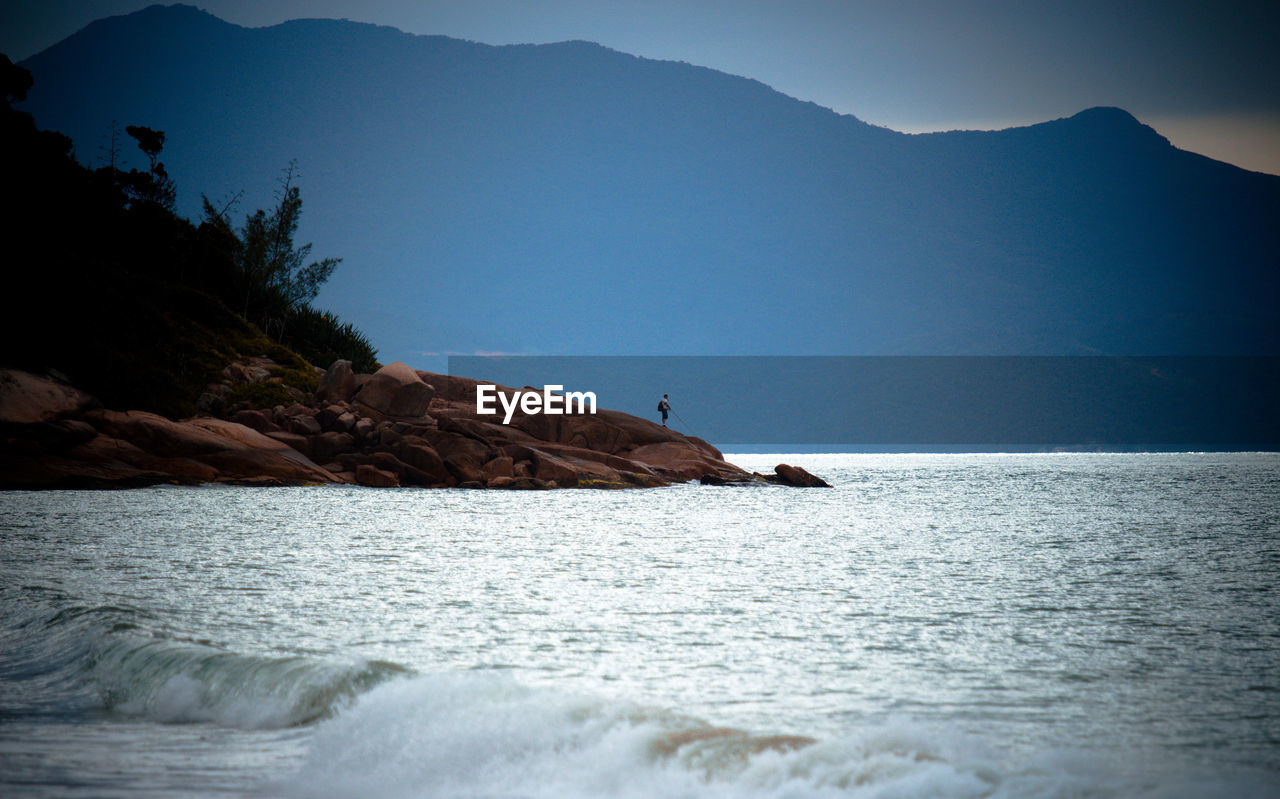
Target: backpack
659	404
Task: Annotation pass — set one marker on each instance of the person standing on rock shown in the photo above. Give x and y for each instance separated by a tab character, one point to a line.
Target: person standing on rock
664	407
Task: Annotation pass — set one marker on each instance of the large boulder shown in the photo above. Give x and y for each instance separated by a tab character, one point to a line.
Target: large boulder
498	467
419	454
237	452
550	468
159	436
395	390
31	399
250	453
463	456
370	475
136	448
262	421
338	383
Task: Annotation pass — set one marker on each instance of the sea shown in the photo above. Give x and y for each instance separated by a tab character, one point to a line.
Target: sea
935	625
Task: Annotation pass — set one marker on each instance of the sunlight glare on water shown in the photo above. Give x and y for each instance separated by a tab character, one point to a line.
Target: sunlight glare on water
1096	609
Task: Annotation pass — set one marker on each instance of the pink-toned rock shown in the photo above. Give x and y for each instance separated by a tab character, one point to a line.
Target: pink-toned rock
336	418
553	469
158	435
103	462
543	465
396	390
462	452
381	438
69	472
53	436
328	415
498	467
338	383
416	452
26	398
796	476
300	443
372	476
387	436
282	465
464	472
605	432
386	462
248	450
262	421
326	445
298	409
679	461
304	425
363	428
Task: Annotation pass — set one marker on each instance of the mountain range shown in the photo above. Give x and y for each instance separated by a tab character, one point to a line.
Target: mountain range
568	199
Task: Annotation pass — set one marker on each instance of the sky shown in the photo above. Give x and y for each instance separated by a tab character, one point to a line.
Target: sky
1204	74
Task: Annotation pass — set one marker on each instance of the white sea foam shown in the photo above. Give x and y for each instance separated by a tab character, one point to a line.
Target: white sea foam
448	736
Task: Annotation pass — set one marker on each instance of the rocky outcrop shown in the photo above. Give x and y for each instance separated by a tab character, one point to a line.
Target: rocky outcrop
604	449
104	448
793	476
31	399
397	427
395	390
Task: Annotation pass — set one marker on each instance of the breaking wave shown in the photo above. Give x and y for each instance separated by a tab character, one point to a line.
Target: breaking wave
61	658
374	728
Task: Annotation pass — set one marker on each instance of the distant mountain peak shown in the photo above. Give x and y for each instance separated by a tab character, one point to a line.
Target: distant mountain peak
1115	121
170	13
170	20
694	204
1106	114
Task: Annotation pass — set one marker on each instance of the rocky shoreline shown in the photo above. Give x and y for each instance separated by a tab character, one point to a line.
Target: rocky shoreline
396	427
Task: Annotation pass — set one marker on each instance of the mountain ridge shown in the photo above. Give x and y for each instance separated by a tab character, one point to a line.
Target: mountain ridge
468	185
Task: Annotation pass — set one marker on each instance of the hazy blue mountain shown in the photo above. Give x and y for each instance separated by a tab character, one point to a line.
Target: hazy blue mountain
570	199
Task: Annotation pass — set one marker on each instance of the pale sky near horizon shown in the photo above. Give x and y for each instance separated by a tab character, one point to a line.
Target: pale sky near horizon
1205	75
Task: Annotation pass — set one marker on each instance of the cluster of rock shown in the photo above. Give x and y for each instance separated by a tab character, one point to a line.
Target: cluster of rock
397	427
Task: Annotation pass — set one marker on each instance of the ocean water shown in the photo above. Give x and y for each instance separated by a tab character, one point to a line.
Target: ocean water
935	626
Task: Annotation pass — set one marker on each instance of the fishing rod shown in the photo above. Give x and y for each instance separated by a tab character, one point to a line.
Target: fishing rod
688	426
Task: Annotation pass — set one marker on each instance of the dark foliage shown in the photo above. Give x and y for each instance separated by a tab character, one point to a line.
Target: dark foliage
323	338
264	395
106	285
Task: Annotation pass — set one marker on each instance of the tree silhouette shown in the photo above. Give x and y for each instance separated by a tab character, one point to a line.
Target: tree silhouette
153	185
111	147
274	277
150	142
